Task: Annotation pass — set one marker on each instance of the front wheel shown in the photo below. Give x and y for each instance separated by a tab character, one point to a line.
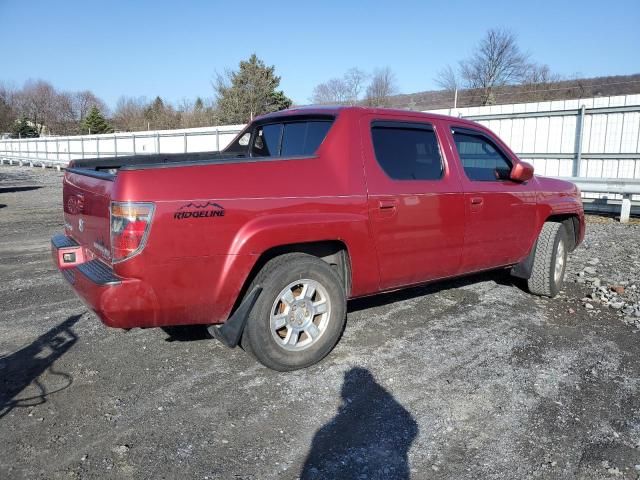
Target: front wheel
549	261
300	313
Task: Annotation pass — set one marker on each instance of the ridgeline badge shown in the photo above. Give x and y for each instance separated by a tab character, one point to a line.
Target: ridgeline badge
199	210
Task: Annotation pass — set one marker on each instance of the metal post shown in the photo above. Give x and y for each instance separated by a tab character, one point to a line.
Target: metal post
578	147
82	146
157	142
46	150
97	147
58	150
625	212
133	138
217	139
455	99
185	142
115	145
69	149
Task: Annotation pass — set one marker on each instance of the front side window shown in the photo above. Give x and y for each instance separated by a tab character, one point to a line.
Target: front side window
407	151
481	159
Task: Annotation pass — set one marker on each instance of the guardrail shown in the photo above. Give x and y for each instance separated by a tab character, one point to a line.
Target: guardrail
617	186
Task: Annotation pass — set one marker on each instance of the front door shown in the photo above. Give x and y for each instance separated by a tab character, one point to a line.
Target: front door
500	213
416	204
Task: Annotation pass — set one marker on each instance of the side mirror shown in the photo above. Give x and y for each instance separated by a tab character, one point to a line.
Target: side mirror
522	172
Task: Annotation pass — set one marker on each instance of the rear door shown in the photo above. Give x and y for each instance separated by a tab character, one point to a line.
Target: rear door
415	201
500	213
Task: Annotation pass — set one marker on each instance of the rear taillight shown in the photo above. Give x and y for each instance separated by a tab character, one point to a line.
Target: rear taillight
130	223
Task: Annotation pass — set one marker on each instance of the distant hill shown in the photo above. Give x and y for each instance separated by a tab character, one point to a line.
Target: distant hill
561	90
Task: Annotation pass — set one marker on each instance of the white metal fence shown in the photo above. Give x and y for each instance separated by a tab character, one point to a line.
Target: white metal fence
590	138
58	151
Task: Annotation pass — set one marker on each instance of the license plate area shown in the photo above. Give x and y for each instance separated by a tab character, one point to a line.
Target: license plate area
69	257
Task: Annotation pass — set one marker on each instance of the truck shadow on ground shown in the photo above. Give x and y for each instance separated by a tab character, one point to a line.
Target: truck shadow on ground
501	277
193	333
369	437
20	369
18	188
186	333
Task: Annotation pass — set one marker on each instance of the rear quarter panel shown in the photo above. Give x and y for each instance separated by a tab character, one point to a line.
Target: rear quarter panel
198	265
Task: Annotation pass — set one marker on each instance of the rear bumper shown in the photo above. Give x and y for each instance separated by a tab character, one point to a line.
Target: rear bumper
118	302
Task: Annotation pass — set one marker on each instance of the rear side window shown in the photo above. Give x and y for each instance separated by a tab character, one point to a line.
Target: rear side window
266	142
481	159
407	151
287	139
303	138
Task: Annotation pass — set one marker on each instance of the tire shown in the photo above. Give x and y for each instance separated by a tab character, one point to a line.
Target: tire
299	315
549	261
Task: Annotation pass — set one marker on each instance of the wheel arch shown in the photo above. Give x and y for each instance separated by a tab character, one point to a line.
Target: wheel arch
571	223
333	252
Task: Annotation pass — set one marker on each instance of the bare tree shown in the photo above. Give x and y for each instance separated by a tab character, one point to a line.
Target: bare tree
129	114
448	79
538	82
84	101
197	113
333	91
36	102
64	119
342	91
381	88
497	61
8	114
354	81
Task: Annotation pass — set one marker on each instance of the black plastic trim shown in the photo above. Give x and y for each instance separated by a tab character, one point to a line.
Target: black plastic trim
92	173
69	274
62	241
229	160
98	272
402	124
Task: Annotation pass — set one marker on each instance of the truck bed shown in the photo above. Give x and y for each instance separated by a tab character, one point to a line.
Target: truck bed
111	164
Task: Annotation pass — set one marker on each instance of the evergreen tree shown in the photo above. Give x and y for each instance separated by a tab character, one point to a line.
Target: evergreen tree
198	105
95	123
24	129
249	92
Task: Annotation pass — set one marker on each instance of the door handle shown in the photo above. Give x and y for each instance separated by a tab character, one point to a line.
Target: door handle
476	201
387	204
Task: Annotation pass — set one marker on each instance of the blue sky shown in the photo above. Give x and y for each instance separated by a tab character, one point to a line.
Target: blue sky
174	48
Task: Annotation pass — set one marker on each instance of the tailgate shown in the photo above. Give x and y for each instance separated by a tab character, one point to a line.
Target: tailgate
87	201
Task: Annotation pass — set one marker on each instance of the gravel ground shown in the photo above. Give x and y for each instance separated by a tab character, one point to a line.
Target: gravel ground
466	379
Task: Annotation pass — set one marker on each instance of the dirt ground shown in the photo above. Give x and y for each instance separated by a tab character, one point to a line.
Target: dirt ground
466	379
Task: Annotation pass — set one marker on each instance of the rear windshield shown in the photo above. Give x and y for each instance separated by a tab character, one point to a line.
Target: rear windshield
299	138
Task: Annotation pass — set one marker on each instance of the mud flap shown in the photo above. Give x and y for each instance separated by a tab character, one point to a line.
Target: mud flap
230	332
525	267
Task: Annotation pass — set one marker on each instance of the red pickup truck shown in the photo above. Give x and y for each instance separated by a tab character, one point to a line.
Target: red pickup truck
308	207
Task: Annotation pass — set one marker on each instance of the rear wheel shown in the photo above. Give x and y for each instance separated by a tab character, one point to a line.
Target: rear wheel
549	261
300	313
